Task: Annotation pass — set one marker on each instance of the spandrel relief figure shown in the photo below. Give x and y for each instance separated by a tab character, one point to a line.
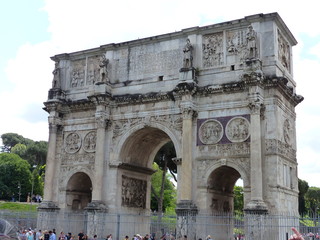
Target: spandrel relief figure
56	76
251	43
103	64
188	55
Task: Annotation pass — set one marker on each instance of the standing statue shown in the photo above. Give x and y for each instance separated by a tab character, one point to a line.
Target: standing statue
251	43
188	57
103	64
56	76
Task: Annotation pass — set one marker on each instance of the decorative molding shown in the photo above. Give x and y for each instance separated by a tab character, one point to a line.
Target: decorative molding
276	147
227	150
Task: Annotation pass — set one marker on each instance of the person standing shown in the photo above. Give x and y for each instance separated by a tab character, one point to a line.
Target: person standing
39	235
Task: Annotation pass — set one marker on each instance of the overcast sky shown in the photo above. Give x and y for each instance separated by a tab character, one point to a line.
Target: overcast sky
34	30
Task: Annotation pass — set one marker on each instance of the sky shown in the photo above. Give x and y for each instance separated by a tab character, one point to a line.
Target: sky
32	31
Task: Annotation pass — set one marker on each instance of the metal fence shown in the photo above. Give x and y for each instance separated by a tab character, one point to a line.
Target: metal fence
220	226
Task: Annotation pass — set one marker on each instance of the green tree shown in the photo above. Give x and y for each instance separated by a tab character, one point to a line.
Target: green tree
238	198
313	199
15	172
19	149
36	153
164	159
303	188
169	193
9	140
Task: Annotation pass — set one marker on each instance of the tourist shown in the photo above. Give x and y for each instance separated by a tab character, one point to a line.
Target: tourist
69	235
109	237
80	235
29	234
126	238
296	235
46	235
62	236
52	235
38	235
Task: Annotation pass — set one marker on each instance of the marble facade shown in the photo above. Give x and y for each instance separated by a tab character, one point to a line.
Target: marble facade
224	94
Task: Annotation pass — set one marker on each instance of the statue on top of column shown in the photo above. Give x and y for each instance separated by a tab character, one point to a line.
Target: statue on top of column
103	64
188	54
251	37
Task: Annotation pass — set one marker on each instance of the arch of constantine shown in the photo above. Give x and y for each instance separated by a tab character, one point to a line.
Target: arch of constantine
224	94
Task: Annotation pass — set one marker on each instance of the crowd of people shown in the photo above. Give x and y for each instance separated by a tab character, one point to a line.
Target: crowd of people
31	234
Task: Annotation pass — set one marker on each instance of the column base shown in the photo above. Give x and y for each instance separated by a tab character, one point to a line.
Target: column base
48	205
186	219
96	205
256	207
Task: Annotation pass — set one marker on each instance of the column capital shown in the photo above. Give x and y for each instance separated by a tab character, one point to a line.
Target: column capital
188	112
102	120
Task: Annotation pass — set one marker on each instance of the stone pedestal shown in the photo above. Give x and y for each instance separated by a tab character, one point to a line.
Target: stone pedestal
96	212
47	215
186	219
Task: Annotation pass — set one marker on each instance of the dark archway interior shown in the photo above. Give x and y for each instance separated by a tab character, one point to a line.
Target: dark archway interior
142	145
220	186
79	191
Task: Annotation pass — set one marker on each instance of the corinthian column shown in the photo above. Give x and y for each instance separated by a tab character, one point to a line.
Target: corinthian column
256	203
186	165
54	123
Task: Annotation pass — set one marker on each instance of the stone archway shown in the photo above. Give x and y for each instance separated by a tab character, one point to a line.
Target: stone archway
137	155
78	191
220	188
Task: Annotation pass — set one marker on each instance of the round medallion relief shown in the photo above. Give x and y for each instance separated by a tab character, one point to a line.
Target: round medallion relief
72	143
89	142
237	129
210	132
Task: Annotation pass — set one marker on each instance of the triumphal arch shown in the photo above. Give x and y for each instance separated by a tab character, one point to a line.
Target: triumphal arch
224	94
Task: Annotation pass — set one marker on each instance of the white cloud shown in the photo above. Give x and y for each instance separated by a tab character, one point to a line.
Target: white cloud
76	25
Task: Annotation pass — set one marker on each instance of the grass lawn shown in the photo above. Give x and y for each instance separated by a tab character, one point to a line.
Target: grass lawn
17	206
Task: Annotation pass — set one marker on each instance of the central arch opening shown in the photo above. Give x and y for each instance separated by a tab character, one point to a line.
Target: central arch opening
138	155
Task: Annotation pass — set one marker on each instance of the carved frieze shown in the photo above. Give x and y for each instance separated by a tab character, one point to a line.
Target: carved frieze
237	129
210	132
212	50
78	73
93	70
89	141
283	51
134	192
76	159
225	150
72	142
173	122
274	146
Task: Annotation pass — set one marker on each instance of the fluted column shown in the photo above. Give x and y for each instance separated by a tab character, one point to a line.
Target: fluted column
54	123
186	165
256	203
101	123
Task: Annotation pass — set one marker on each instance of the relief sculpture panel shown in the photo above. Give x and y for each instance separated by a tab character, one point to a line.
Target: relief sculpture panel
89	142
212	50
78	73
237	129
72	142
283	51
210	132
134	192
